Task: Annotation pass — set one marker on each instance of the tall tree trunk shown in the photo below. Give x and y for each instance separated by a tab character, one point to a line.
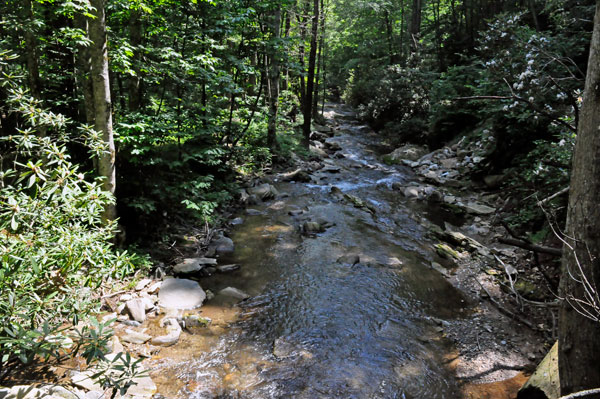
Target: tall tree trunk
102	102
310	78
579	343
415	23
84	69
135	81
390	37
273	78
31	50
315	108
302	21
286	34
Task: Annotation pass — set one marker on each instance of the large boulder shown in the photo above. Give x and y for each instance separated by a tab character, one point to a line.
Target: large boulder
544	382
177	293
410	152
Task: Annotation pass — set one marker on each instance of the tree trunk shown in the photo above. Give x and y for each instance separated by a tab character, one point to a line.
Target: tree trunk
310	78
273	79
135	81
84	68
315	107
31	49
415	23
579	343
102	102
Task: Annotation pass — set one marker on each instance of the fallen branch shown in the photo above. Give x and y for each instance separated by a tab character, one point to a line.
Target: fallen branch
550	198
530	247
581	394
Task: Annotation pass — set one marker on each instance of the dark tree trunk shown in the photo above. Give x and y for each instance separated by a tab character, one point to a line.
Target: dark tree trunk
273	80
102	102
579	343
135	81
310	78
84	69
315	108
415	23
31	50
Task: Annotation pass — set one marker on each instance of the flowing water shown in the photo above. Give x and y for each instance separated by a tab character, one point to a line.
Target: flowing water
316	327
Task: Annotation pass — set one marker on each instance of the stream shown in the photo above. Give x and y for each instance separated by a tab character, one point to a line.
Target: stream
315	325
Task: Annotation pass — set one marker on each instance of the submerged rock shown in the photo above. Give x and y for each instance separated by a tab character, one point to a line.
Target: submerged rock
349	259
183	294
234	293
193	265
172	336
312	228
222	245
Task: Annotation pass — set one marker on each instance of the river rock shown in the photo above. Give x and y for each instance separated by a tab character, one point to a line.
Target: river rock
322	129
172	336
22	392
234	293
154	287
411	192
142	388
318	152
297	175
312	227
253	212
227	268
333	146
236	221
544	382
295	212
143	283
136	309
193	265
479	209
348	259
135	337
410	152
264	191
176	293
222	245
449	163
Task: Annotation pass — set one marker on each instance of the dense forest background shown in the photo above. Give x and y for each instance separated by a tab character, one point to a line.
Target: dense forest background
152	110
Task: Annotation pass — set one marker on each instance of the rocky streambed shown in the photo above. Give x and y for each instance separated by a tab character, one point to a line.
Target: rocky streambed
356	275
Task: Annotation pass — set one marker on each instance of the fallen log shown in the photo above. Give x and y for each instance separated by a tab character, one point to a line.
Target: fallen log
530	247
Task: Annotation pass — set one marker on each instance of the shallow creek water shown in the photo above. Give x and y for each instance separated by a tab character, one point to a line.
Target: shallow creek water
315	327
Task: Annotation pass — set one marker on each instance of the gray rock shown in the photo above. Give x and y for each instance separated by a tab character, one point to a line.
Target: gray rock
153	289
234	293
332	146
449	163
135	337
143	283
227	268
223	245
410	151
94	395
479	209
295	212
172	336
183	294
253	212
317	152
62	392
412	192
136	309
193	265
312	227
21	392
321	128
449	199
264	191
297	175
237	221
349	259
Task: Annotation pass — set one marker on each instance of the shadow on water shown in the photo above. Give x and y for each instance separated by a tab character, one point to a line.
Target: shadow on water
316	326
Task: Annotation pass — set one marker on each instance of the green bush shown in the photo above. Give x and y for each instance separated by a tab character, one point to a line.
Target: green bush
54	249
